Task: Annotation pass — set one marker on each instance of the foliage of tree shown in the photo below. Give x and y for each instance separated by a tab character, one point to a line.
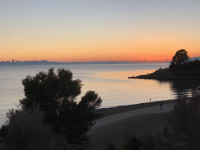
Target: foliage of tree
55	94
179	58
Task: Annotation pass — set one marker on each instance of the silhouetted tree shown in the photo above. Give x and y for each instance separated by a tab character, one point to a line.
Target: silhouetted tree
180	66
55	94
179	58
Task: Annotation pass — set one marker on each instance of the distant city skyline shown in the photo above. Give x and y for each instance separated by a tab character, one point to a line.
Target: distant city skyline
17	61
46	61
104	30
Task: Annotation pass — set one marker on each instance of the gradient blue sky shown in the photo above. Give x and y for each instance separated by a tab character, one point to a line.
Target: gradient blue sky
91	30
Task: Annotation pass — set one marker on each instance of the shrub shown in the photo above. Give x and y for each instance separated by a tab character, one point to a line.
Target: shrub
26	131
111	147
134	143
186	119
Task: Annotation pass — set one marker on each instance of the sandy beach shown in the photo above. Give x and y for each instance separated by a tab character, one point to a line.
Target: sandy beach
116	127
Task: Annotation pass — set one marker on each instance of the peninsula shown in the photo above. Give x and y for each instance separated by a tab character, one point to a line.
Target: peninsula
181	67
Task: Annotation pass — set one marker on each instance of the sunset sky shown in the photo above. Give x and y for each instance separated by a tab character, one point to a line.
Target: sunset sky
98	30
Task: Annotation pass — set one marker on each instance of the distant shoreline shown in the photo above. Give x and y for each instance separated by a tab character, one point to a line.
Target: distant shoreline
166	78
164	74
27	63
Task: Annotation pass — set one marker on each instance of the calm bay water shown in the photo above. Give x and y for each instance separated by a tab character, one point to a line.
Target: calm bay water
110	81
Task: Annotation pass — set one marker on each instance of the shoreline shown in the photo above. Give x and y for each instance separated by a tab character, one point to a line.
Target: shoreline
120	109
165	78
164	74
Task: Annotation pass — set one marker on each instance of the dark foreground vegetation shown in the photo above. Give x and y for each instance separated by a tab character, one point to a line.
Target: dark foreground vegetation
49	117
180	68
182	132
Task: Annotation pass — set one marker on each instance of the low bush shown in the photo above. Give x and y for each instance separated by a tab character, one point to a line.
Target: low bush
25	130
186	120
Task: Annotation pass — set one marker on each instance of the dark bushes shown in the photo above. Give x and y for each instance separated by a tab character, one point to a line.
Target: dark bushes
186	121
134	143
26	131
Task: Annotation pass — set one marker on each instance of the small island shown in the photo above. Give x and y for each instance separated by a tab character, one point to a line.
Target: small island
179	68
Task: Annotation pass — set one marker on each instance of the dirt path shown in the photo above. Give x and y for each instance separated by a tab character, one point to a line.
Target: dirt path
115	128
149	110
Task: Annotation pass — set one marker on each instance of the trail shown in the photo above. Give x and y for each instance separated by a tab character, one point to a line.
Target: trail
116	128
147	110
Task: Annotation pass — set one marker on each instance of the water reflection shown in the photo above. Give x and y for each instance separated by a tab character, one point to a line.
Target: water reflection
179	86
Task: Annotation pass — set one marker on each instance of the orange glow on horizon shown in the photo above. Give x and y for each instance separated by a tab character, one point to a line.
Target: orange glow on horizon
148	47
61	56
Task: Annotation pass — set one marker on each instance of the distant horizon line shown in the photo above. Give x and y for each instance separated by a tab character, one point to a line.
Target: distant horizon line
18	61
98	61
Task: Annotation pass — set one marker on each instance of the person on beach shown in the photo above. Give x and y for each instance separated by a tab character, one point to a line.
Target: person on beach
161	105
150	100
